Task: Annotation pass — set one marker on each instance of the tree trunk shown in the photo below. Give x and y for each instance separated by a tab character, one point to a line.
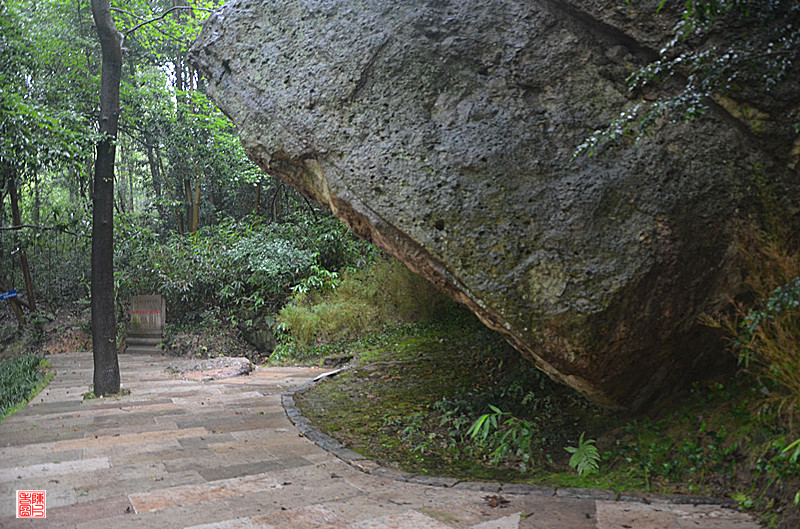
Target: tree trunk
196	206
129	160
258	198
37	201
155	177
104	325
277	209
15	306
16	219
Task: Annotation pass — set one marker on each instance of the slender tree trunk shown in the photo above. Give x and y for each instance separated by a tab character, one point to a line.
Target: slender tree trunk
173	193
11	178
277	205
155	177
196	206
178	206
258	198
104	325
190	205
129	159
71	181
119	203
86	182
15	306
37	200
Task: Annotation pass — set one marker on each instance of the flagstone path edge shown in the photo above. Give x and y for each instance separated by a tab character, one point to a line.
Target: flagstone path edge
363	464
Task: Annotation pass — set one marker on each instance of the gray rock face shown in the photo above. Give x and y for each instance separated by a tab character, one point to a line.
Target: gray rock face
442	131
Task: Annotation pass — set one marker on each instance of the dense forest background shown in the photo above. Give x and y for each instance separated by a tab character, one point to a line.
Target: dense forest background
195	220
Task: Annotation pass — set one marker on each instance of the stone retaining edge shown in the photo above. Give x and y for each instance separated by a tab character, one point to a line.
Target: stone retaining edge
354	459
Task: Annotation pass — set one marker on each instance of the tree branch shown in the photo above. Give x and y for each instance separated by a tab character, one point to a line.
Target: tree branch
159	17
35	227
164	33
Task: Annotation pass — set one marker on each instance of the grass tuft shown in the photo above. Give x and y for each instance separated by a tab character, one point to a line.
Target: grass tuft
765	326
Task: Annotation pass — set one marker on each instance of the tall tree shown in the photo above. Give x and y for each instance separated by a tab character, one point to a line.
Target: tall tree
104	327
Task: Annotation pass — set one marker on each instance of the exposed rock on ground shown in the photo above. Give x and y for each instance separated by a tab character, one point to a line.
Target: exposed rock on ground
210	368
442	131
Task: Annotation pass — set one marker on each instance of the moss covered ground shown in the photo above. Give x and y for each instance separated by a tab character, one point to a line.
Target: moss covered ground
414	391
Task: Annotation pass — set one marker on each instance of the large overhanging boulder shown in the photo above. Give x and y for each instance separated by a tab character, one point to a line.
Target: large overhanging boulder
442	131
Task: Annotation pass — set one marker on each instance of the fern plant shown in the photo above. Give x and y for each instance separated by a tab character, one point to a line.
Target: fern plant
585	457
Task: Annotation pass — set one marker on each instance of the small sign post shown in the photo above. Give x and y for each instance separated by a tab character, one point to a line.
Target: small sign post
8	295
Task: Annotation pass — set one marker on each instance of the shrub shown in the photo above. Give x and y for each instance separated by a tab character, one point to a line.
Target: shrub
244	267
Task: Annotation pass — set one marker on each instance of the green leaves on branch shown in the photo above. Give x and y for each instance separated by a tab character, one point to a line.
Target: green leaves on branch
32	135
248	265
718	49
783	299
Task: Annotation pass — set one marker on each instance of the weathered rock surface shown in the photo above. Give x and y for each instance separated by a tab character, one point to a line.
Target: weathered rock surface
211	368
443	130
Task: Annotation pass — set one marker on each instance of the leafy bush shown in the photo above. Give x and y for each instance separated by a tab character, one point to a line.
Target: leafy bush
769	345
21	378
248	266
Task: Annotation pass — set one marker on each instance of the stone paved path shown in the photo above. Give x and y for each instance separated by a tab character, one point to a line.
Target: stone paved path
222	454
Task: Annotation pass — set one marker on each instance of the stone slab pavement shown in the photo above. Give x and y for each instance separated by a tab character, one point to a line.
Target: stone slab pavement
224	454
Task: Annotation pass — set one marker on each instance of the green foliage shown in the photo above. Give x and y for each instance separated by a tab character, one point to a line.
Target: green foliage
244	267
719	48
319	280
486	424
784	298
271	260
363	301
506	435
36	130
585	457
792	451
766	332
21	379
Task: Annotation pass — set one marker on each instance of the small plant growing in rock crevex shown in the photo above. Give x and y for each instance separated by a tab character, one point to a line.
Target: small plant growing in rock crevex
585	457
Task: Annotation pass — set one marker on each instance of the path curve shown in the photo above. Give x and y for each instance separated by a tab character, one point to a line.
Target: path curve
222	454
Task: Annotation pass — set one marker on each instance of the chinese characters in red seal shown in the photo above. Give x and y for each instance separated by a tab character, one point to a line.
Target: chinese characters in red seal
31	504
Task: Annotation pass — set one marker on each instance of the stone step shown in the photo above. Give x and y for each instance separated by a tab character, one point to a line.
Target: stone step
144	349
143	340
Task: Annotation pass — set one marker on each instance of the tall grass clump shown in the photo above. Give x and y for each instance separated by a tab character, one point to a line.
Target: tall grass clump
362	301
21	379
766	325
